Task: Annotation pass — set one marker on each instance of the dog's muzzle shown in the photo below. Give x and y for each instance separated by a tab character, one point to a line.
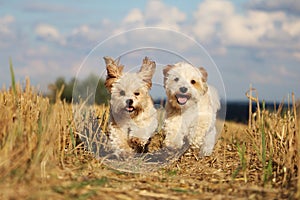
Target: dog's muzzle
182	98
129	107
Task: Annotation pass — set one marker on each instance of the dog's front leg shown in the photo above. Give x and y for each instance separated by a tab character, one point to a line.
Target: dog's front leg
174	133
119	140
209	143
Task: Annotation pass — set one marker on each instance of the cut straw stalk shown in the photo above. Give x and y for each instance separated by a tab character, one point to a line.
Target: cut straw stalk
297	139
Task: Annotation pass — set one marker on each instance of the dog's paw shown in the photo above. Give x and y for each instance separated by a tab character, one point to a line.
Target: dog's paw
205	152
136	144
155	143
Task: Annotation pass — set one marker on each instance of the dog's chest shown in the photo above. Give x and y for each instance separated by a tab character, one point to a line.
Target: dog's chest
142	127
192	120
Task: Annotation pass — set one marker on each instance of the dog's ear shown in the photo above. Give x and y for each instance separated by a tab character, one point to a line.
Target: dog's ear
114	72
165	72
204	79
204	74
167	69
147	70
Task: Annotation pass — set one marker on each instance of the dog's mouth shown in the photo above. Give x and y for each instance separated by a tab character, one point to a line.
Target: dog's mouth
182	98
129	109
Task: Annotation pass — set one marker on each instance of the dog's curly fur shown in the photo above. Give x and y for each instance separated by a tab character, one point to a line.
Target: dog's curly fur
191	108
133	118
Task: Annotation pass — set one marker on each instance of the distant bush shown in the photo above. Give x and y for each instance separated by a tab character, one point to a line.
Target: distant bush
63	90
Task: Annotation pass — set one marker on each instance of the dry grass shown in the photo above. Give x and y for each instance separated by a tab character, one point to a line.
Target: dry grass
41	157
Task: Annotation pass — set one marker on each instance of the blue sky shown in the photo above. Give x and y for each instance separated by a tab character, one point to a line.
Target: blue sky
251	42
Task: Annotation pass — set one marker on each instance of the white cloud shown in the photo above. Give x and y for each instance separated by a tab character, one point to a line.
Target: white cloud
45	30
87	36
155	14
5	22
8	34
292	27
49	33
159	14
209	16
296	55
7	19
134	16
84	31
250	30
218	21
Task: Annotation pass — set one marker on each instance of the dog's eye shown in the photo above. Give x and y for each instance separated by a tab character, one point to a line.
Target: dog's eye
176	79
193	82
122	93
136	93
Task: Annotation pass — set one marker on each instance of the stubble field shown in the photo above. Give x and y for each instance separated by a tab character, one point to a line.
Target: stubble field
41	157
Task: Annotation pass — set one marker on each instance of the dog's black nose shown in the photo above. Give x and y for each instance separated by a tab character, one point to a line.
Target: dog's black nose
183	89
129	102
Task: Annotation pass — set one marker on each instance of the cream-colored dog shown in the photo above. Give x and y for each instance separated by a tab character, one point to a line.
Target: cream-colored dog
191	108
133	118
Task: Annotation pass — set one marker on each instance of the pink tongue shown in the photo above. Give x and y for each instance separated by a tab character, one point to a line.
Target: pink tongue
182	100
129	108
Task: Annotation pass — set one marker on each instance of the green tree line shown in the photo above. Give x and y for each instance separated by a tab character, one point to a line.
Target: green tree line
63	90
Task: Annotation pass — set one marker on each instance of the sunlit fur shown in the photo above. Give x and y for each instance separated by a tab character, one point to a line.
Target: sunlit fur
131	125
191	108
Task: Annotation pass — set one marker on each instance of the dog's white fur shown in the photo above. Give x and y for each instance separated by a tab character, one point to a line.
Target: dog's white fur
133	118
191	108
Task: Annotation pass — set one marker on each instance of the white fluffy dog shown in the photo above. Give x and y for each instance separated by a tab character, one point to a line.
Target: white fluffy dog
191	108
133	118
